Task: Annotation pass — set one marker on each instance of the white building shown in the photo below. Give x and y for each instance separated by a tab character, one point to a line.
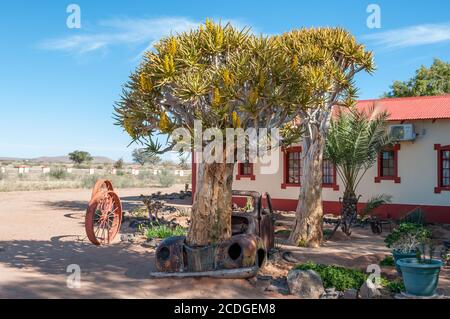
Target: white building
416	171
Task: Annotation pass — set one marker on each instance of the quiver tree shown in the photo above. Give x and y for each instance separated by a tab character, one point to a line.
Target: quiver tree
355	139
325	61
224	78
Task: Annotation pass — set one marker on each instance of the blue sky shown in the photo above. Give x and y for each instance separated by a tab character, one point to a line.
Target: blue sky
58	85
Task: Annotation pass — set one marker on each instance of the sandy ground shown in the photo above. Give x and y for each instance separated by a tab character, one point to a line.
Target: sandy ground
41	233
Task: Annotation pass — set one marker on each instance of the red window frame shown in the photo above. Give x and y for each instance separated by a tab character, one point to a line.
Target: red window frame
439	150
333	185
286	184
241	174
394	177
286	151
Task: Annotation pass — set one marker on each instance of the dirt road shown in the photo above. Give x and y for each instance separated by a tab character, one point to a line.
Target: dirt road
41	233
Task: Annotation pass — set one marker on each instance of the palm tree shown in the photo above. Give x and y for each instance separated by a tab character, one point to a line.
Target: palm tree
354	141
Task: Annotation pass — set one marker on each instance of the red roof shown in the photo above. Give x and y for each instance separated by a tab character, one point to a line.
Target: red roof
411	108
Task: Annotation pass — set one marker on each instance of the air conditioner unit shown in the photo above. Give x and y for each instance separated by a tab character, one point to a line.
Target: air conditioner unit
402	132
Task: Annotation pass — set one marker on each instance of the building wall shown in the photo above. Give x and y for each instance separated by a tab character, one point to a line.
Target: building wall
417	169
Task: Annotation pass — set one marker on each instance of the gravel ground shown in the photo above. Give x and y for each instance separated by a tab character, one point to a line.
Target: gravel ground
42	232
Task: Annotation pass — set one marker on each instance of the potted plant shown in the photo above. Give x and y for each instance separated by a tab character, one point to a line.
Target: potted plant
421	275
405	241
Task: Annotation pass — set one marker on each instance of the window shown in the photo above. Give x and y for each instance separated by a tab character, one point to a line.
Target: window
293	170
327	172
445	180
329	175
245	170
443	165
388	165
292	167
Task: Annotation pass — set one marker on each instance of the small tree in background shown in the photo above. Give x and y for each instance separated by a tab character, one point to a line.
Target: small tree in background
80	157
183	161
166	178
434	80
119	164
142	156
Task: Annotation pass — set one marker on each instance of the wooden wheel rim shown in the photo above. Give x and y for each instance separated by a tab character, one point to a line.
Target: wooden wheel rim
102	185
103	218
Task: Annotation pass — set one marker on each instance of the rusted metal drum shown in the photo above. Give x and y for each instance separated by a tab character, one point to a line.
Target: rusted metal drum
170	254
240	251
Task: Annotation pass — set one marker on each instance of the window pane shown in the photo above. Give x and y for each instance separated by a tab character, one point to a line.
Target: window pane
293	168
445	168
327	172
387	163
246	169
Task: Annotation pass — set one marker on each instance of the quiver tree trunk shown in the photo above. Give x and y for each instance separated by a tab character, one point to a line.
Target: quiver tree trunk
211	210
349	211
309	214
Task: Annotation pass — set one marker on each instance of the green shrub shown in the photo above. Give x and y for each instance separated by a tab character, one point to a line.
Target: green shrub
58	173
166	179
407	237
163	231
89	181
395	286
2	176
327	233
334	276
415	217
388	261
120	173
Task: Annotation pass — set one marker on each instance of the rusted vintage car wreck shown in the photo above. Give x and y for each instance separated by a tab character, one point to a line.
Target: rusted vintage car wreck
240	256
252	238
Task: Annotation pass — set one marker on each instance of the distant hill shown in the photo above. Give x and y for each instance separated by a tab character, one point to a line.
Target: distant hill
57	159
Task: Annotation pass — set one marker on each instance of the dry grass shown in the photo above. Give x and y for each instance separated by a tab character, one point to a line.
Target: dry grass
58	178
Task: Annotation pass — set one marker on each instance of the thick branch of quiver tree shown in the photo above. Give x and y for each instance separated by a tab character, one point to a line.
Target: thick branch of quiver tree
224	77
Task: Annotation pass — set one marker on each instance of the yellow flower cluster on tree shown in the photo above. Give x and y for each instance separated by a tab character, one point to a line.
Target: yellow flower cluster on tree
219	74
146	86
236	120
216	98
164	123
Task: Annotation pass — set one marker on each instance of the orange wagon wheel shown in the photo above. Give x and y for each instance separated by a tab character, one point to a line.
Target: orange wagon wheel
103	218
102	185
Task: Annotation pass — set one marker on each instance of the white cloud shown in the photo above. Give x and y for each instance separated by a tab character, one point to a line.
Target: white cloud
116	32
123	31
411	36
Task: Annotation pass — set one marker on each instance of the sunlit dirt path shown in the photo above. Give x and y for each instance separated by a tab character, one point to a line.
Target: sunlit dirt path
41	233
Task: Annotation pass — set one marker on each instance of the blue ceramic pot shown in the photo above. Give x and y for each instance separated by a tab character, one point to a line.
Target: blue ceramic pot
399	255
420	279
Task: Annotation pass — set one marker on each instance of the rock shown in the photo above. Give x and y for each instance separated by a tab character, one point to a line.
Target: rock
130	238
366	292
350	294
305	284
289	257
151	243
330	293
279	285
